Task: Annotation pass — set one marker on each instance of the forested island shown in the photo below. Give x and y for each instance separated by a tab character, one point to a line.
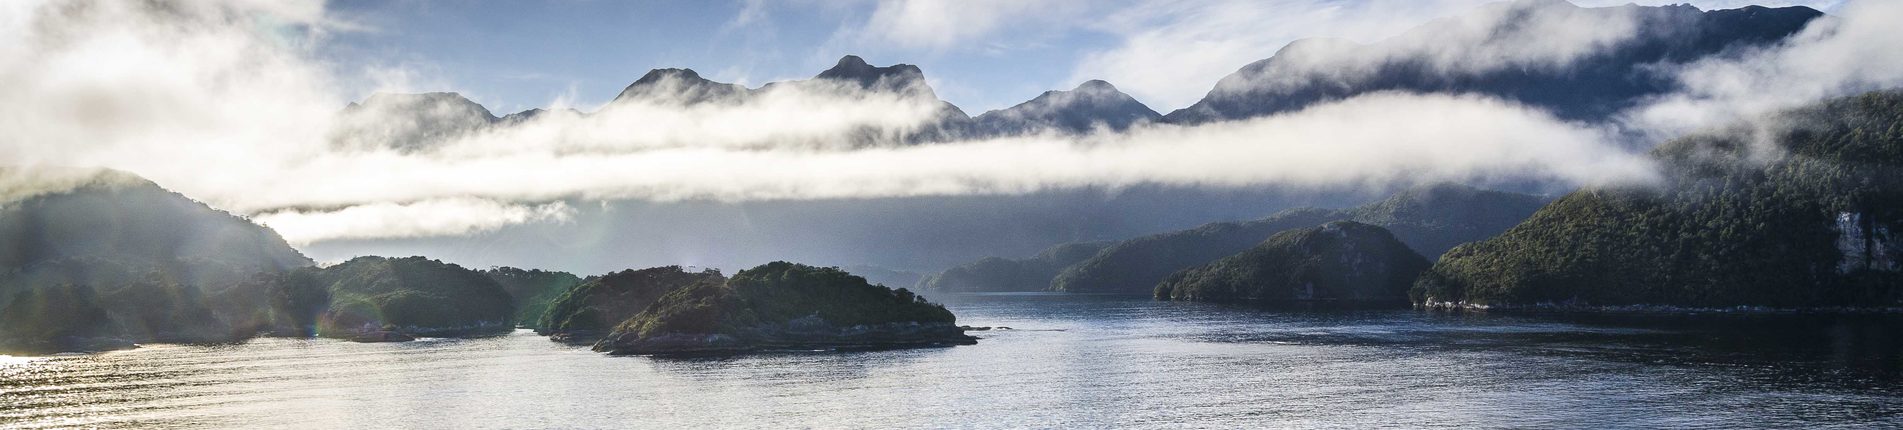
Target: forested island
784	305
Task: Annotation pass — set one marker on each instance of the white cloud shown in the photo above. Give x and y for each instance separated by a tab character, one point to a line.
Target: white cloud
1856	51
440	217
1172	52
946	24
1422	138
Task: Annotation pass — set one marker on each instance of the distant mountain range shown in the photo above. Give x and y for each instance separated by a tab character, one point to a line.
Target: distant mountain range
1475	53
1471	53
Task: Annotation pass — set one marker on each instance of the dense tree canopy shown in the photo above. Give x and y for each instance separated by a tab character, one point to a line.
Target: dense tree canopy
1796	209
1342	261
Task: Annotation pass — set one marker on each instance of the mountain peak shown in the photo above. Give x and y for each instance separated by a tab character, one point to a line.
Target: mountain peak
380	97
657	75
851	62
1095	85
851	68
683	86
1091	105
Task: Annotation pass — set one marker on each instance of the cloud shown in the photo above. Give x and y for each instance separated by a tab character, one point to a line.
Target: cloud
441	217
1422	138
1855	51
1170	53
946	24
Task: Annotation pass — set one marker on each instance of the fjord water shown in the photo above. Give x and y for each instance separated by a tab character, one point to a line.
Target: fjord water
1068	361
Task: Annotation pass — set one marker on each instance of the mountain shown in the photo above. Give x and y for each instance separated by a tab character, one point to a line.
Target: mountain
1796	209
522	117
783	305
1002	274
591	309
680	87
1600	61
898	78
92	256
531	290
1342	262
1092	105
1428	219
414	296
418	122
409	122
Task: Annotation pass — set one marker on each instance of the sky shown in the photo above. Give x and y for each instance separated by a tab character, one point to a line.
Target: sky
979	54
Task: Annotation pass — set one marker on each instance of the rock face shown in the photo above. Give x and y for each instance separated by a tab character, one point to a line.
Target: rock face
1092	105
784	306
1338	262
588	311
532	290
994	274
92	257
414	296
1428	219
1504	50
1793	210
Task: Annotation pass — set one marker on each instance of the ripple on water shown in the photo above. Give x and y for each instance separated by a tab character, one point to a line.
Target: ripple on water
1072	362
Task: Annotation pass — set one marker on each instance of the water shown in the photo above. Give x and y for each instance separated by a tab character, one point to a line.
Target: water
1072	361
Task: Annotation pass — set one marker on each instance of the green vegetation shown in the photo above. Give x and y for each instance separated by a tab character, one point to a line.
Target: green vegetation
532	289
776	293
1342	261
1428	219
597	306
414	295
1002	274
107	255
786	303
52	318
1799	209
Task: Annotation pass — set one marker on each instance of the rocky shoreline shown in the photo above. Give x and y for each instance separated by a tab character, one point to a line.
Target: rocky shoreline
797	335
1568	308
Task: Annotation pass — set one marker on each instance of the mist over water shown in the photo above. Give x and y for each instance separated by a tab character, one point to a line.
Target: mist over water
1070	361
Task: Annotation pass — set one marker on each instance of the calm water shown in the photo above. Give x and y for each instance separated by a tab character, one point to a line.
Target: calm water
1071	362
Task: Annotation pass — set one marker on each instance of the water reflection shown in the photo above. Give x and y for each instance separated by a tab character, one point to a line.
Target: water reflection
1071	361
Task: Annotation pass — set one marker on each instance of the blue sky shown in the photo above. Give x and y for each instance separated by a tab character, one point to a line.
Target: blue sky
978	54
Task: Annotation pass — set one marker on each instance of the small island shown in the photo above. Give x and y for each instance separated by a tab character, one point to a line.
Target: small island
378	299
587	312
1342	262
784	305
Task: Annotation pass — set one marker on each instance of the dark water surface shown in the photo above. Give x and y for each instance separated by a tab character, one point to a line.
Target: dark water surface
1071	361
